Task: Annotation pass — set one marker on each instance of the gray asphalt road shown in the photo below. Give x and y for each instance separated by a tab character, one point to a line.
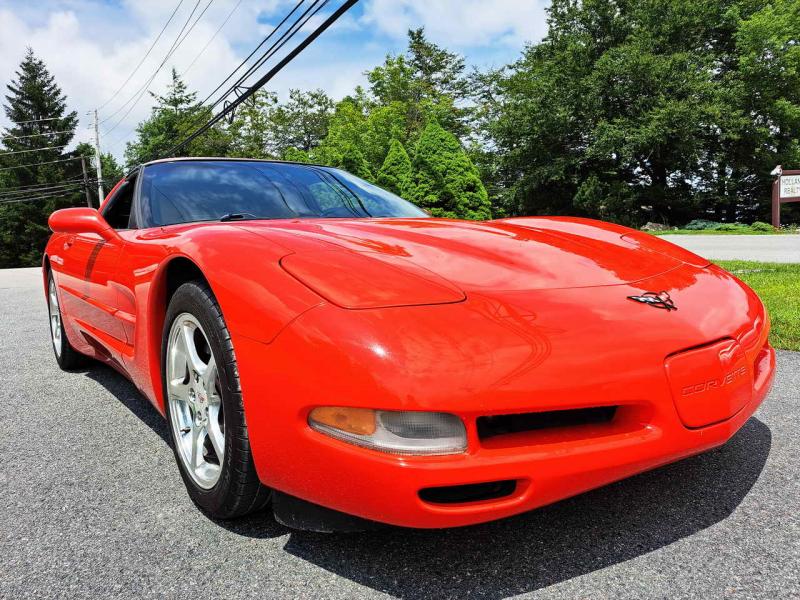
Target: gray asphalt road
763	248
92	506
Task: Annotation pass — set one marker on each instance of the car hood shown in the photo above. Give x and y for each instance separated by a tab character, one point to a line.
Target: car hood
513	255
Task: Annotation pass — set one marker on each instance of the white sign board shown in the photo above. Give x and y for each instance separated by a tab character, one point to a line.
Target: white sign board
790	186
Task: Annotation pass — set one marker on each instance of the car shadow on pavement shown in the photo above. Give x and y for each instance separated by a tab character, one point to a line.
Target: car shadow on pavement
555	543
524	553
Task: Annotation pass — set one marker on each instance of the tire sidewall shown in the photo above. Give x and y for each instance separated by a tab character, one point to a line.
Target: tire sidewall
190	298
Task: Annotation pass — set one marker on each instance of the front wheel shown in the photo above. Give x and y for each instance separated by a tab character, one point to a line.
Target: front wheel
204	407
66	356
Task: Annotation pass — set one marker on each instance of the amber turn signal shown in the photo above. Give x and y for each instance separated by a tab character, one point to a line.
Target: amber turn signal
360	421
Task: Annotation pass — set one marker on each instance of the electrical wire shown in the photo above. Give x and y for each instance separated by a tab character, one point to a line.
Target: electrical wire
22	137
270	74
287	35
38	120
213	37
140	92
46	162
34	150
249	56
146	54
7	193
316	6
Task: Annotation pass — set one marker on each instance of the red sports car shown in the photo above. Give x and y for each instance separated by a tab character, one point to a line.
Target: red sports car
320	343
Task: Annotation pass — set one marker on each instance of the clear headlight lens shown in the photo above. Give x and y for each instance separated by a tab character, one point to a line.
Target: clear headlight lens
395	432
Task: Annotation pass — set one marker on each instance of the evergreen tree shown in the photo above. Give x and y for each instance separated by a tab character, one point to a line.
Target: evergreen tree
173	118
447	183
396	174
40	126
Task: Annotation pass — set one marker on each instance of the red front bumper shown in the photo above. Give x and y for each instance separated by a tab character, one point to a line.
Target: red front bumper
373	359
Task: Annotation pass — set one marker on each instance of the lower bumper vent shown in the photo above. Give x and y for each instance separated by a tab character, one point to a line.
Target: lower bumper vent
473	492
495	425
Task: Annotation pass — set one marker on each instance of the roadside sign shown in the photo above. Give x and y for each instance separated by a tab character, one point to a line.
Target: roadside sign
785	189
790	186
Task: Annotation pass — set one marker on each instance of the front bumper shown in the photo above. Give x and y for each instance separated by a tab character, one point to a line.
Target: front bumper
498	360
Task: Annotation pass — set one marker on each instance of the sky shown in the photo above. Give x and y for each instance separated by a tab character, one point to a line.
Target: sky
93	46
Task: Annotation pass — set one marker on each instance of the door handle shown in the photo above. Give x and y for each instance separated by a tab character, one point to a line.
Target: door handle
69	241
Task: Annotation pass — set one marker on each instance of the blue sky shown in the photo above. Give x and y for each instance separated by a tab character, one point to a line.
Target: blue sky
92	46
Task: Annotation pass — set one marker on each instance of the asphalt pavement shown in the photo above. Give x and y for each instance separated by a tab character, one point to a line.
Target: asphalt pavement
762	248
92	506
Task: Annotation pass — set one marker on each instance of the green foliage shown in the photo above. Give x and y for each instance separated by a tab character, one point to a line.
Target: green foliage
761	226
447	183
174	117
702	224
39	119
396	174
647	111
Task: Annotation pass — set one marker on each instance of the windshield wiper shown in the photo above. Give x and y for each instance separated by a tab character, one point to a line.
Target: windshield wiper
237	217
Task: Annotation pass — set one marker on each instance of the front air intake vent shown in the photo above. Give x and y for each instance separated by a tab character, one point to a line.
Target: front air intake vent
492	426
473	492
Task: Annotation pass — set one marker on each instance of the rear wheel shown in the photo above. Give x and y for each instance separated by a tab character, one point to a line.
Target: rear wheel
67	357
204	407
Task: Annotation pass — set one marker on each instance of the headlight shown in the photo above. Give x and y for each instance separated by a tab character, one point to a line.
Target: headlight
395	432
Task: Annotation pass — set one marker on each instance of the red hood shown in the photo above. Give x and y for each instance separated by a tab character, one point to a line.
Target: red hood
483	256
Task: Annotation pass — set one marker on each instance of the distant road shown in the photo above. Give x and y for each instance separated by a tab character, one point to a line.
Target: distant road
763	248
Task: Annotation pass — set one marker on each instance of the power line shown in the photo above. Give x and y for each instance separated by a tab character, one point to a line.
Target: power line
47	162
34	150
36	185
287	35
269	75
146	54
37	120
249	56
4	193
22	137
138	95
208	43
63	195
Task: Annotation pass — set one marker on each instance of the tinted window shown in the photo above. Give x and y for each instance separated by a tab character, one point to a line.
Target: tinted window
377	201
186	191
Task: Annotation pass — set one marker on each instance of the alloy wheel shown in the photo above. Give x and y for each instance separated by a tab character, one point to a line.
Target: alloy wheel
195	402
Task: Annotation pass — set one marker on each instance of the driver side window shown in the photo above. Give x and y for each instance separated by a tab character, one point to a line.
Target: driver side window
119	212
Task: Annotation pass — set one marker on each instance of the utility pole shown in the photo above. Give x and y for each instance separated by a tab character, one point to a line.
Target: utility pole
100	194
86	183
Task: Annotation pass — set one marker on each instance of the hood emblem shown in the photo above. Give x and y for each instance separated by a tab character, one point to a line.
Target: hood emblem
656	300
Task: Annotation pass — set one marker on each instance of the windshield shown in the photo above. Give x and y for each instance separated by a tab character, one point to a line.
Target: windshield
187	191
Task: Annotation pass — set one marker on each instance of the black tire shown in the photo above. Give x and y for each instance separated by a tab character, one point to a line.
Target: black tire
238	491
67	357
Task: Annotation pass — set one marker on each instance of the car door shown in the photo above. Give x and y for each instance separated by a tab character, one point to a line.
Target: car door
92	264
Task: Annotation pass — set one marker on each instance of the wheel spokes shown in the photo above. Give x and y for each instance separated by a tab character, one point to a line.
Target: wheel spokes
196	409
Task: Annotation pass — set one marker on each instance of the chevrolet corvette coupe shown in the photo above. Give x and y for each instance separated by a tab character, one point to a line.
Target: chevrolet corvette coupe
316	342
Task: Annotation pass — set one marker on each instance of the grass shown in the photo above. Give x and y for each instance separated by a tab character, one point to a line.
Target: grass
778	286
745	230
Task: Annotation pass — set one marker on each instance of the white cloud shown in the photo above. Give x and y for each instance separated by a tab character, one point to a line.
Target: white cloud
92	47
462	23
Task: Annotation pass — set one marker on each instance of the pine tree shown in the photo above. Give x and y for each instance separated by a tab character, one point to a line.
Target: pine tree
396	174
40	127
175	115
447	182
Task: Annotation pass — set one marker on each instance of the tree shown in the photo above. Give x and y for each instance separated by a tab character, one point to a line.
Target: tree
447	183
302	122
649	110
174	117
40	127
396	174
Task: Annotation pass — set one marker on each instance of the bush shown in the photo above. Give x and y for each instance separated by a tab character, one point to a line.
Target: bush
702	224
761	226
730	227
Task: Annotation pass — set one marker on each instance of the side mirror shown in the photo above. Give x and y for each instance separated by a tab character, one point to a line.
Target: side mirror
81	220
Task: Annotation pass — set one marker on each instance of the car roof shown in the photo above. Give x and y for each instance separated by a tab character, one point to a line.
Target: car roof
230	159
